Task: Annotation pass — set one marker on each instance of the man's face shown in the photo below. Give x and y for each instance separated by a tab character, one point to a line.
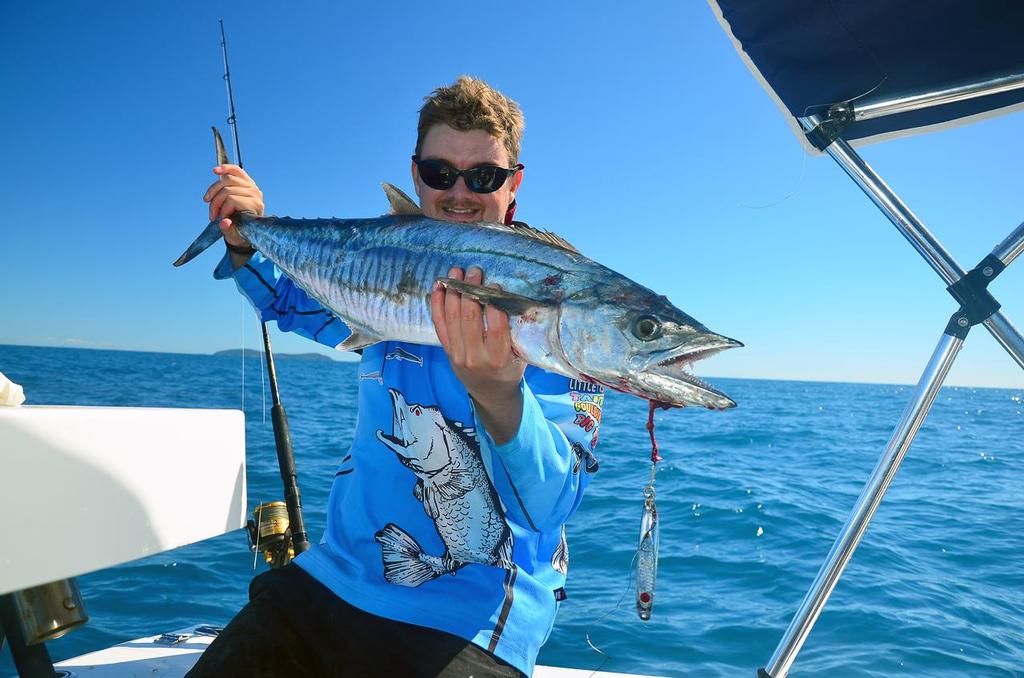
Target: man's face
464	150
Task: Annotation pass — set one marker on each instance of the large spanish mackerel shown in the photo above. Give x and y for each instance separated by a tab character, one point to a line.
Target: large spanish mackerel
568	314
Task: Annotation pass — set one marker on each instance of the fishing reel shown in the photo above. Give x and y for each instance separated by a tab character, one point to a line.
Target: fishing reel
269	533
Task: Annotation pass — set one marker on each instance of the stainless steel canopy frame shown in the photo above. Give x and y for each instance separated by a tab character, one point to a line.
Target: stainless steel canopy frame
957	280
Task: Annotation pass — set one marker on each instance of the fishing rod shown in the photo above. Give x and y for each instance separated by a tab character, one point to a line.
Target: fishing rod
278	416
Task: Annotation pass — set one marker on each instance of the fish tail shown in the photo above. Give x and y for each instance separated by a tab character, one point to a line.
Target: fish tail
404	560
210	235
212	232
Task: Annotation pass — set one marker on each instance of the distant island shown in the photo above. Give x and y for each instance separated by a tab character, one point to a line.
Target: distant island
253	353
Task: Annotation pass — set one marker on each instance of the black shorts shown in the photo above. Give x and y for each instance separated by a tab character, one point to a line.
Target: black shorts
295	626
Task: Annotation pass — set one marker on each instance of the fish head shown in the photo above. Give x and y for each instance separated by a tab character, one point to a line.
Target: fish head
629	339
419	435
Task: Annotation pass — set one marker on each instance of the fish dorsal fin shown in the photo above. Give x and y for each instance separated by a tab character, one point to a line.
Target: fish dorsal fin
222	153
537	234
403	204
400	202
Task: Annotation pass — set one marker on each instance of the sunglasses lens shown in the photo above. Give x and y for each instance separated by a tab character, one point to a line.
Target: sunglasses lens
437	174
485	179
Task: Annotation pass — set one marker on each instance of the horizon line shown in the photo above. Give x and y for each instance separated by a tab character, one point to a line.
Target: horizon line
356	361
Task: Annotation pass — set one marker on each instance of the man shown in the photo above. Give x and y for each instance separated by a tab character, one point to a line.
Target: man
444	553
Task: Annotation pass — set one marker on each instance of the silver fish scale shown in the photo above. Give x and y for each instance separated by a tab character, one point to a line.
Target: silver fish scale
377	274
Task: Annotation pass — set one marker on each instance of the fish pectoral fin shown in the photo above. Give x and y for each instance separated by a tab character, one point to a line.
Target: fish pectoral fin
222	153
357	340
399	201
513	304
457	483
429	496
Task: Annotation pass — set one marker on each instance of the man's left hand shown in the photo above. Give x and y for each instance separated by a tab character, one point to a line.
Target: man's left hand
483	360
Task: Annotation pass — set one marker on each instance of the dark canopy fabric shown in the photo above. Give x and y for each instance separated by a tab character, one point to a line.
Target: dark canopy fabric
814	53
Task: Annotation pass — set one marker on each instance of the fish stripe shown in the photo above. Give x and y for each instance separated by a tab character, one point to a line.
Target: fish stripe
506	607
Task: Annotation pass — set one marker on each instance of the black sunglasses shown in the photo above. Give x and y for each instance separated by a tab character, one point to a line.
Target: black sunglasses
441	175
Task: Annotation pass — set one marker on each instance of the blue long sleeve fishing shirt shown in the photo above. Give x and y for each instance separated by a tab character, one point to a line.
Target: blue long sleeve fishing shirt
429	522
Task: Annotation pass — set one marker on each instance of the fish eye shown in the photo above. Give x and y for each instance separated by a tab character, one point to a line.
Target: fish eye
646	328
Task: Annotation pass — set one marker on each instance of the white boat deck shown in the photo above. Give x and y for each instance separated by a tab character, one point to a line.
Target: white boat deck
171	655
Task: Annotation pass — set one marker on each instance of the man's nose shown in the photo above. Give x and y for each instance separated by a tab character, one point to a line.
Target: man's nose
460	189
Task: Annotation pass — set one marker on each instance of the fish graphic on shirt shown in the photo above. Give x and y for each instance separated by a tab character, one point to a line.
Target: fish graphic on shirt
455	491
400	353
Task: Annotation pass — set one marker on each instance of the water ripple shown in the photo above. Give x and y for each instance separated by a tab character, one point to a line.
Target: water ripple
750	503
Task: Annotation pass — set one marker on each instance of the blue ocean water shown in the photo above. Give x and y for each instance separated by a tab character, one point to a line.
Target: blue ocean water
750	503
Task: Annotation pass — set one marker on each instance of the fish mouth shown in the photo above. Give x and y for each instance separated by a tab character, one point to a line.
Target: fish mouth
397	442
674	364
398	425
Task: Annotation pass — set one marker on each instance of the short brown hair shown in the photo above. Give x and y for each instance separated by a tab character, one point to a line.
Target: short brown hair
468	104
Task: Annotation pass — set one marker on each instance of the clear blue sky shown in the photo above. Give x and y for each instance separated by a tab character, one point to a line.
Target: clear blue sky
648	145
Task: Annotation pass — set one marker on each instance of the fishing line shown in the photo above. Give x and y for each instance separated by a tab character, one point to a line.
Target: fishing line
279	418
864	48
644	565
645	558
792	192
807	112
824	107
232	121
242	344
629	586
803	168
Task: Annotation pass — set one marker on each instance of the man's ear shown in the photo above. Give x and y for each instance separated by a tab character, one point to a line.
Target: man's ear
517	179
415	178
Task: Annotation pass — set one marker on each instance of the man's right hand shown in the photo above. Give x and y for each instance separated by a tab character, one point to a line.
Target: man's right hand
234	191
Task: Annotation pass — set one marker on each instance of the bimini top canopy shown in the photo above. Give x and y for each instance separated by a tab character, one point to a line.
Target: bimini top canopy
865	54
